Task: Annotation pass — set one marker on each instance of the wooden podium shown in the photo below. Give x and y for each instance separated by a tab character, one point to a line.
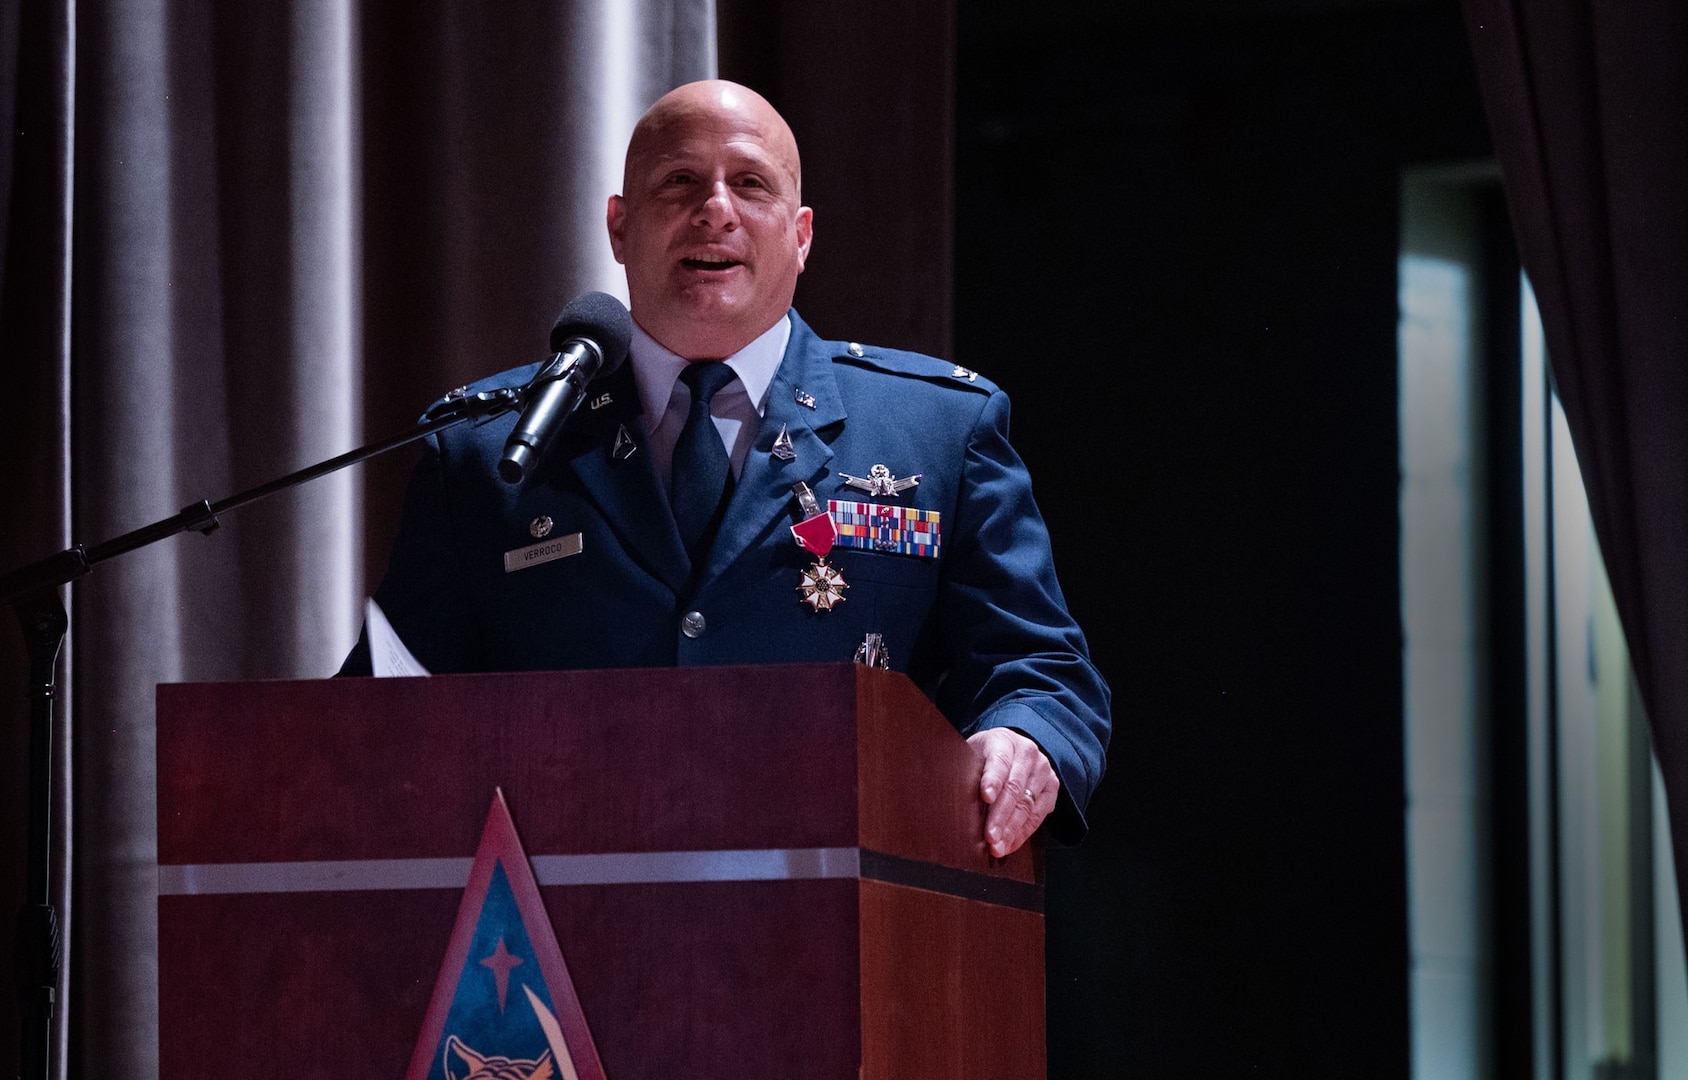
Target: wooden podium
754	872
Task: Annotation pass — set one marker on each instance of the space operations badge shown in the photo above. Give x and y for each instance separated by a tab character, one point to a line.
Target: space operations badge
899	530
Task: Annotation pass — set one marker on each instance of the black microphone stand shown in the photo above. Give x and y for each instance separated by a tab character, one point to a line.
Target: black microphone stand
32	591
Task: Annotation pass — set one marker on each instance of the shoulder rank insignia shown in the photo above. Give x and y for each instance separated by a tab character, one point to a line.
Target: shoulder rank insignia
964	373
879	481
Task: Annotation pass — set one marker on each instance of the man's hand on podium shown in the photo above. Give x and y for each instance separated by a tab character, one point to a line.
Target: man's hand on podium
1017	782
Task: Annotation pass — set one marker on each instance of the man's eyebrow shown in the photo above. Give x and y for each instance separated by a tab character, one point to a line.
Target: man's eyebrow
764	165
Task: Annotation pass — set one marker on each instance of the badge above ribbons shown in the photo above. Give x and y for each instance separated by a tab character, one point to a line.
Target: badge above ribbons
504	1004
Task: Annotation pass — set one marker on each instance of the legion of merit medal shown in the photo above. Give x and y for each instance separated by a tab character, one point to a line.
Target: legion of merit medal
820	584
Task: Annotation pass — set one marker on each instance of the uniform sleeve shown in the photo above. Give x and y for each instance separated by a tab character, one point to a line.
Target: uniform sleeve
1017	659
425	593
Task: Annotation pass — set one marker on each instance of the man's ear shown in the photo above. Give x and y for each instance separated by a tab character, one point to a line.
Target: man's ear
616	218
805	235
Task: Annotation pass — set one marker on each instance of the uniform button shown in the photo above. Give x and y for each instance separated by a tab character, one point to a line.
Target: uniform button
692	624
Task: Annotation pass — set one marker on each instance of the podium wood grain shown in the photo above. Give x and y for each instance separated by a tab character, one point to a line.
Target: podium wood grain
879	975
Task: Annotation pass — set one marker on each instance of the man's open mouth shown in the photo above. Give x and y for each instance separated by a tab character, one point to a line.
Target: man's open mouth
710	262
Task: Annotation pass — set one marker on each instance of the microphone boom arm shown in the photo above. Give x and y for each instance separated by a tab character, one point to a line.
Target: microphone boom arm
76	561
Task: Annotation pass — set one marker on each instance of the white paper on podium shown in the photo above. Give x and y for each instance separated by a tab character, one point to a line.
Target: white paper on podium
388	655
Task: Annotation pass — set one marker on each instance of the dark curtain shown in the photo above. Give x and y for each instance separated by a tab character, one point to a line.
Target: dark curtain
37	48
1588	103
878	155
295	224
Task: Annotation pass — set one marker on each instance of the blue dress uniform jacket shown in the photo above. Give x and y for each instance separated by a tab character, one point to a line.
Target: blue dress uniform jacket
980	627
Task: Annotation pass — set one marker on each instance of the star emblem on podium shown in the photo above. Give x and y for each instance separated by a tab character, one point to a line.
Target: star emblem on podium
501	961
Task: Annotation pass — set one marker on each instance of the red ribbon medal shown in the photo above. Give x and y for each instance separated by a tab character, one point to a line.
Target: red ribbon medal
816	535
820	586
817	532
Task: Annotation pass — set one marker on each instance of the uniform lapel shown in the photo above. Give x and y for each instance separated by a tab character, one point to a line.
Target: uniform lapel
763	493
625	488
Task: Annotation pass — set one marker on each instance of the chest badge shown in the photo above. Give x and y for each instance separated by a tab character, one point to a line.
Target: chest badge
879	482
873	653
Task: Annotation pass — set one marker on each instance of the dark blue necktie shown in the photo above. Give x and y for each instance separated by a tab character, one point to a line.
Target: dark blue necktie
703	477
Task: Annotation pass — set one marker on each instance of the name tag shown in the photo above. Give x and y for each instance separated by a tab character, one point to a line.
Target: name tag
543	552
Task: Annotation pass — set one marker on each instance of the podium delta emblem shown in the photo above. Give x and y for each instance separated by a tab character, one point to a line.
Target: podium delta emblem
504	1007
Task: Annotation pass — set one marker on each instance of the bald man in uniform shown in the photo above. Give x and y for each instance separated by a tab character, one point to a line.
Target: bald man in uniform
732	422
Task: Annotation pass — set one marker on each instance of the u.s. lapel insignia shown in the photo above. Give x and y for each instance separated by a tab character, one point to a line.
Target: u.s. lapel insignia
880	482
624	444
804	398
600	401
782	445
